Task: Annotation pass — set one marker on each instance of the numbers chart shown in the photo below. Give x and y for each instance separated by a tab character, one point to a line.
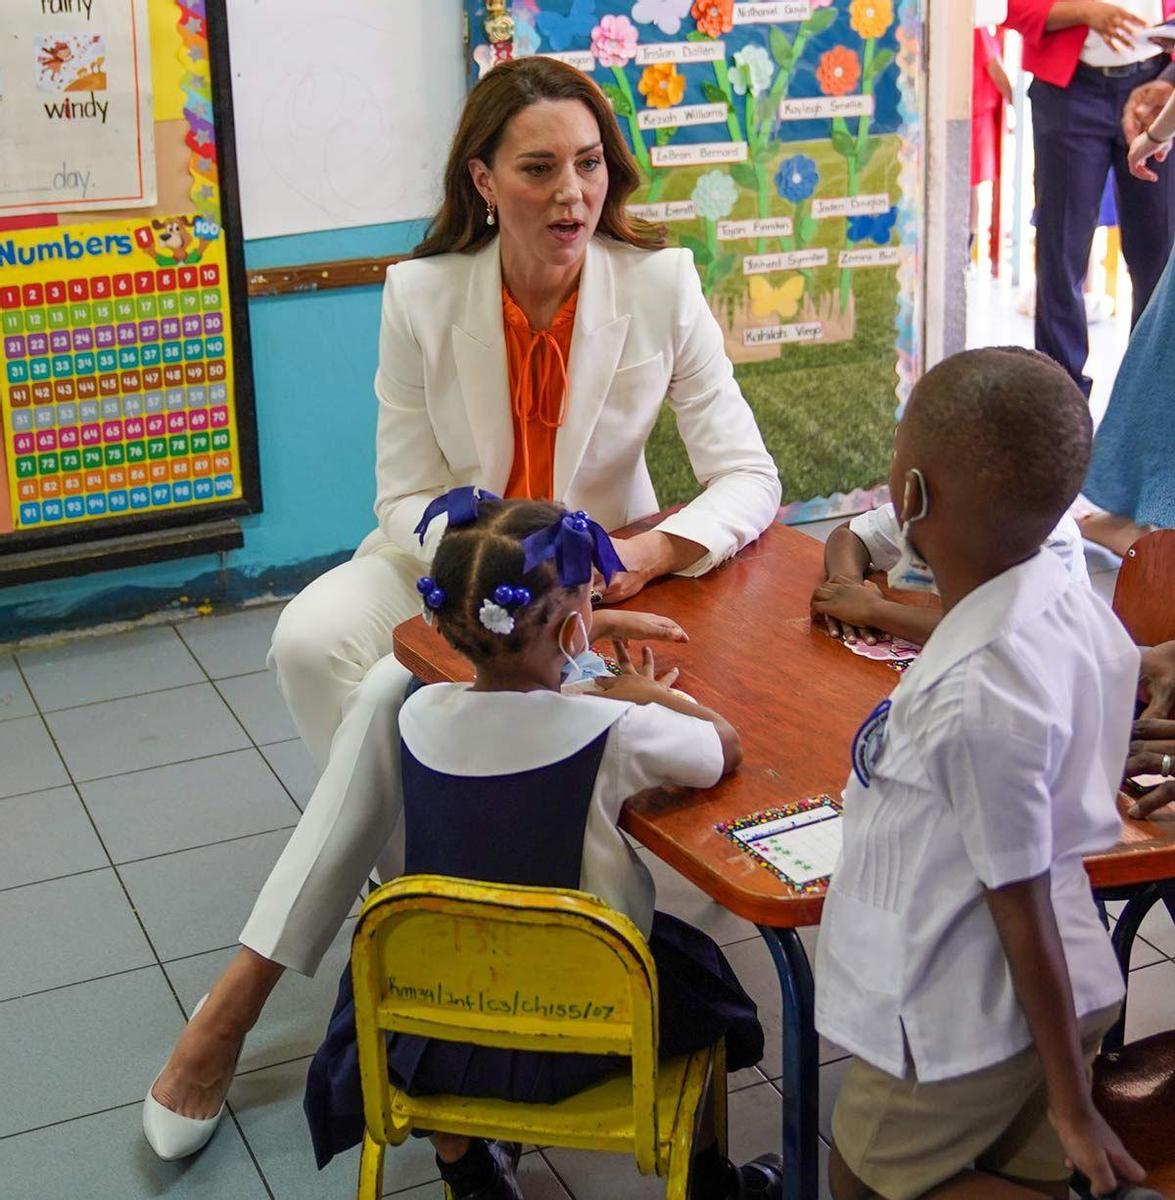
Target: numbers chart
116	378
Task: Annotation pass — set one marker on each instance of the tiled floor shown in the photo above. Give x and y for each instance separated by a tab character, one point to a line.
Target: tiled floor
150	780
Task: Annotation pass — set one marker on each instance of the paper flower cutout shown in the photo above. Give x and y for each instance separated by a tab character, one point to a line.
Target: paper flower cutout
752	69
662	85
495	618
871	18
839	71
614	41
667	15
796	178
877	228
715	195
483	58
714	17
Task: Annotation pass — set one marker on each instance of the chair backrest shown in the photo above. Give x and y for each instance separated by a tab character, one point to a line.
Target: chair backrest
1144	597
524	968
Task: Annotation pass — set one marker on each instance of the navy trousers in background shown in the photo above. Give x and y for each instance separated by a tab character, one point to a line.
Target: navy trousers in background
1077	135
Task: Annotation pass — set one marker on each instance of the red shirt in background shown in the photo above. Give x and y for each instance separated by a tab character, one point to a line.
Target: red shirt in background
1052	57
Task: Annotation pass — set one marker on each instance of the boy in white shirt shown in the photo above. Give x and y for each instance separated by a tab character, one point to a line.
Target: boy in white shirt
961	957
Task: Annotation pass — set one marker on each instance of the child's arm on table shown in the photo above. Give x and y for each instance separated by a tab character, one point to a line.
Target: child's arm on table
1027	928
641	686
640	626
861	610
846	561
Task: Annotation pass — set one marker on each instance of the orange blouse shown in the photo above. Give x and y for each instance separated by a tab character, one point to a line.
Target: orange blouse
537	363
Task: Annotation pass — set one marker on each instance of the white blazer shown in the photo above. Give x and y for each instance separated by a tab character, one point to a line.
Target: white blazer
643	333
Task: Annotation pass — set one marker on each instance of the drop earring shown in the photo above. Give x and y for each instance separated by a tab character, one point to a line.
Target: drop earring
490	212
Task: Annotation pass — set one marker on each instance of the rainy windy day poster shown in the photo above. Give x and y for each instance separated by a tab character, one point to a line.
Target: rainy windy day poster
780	141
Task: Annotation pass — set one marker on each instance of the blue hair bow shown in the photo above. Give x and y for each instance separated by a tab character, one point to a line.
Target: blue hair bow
459	505
576	543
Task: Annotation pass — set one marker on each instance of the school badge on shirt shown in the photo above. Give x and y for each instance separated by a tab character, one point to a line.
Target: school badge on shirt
868	741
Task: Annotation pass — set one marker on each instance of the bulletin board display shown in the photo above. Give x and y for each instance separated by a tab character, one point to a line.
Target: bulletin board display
126	395
780	142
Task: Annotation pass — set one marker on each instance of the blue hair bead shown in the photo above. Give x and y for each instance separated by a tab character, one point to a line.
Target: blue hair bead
436	598
504	595
522	597
425	584
579	524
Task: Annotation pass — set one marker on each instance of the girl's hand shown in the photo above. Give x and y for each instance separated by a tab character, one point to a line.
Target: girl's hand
639	626
1094	1149
1158	676
848	607
639	684
1116	25
1143	148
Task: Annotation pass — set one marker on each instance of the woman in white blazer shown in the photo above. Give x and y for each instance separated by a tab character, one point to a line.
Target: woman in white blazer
535	188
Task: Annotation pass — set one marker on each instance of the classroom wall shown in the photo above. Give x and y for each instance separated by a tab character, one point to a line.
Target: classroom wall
314	357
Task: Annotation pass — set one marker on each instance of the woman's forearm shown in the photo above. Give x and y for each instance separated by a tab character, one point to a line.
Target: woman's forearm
1066	13
1162	128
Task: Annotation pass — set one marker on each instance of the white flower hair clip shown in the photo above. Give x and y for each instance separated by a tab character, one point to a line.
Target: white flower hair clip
494	614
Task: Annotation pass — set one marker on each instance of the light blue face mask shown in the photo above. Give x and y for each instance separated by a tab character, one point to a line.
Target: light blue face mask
912	573
588	665
575	669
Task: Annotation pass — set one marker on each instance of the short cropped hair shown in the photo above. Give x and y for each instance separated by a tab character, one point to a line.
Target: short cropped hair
1013	422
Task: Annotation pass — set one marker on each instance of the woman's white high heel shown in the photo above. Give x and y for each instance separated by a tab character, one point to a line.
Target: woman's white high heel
170	1135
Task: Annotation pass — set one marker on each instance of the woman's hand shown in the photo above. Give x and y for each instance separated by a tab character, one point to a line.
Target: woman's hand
639	626
848	607
1095	1150
1152	747
1144	147
1158	680
646	557
639	685
1117	26
1143	105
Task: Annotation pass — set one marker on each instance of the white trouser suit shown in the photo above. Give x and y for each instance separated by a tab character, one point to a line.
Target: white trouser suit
643	332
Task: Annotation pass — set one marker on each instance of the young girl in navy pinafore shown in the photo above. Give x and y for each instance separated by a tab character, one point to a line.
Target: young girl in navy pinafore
526	787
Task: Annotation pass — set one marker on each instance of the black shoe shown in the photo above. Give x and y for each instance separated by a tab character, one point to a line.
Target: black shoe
504	1185
761	1178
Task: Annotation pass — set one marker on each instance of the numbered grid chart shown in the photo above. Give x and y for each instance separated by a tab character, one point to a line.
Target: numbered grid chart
116	394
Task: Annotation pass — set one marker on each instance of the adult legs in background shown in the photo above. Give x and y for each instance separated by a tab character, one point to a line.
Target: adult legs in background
331	651
1074	130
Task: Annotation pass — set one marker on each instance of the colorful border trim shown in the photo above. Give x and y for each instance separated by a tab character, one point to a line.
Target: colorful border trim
730	828
197	87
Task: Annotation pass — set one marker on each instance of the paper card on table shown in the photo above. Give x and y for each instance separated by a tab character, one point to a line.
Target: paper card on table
894	652
800	842
1158	33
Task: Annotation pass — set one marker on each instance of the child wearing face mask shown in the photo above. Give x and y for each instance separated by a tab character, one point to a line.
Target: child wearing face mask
961	959
854	608
510	780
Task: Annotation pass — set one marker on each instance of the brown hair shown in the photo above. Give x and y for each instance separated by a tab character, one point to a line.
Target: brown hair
509	87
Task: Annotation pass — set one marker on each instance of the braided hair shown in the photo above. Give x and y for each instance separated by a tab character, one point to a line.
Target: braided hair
473	560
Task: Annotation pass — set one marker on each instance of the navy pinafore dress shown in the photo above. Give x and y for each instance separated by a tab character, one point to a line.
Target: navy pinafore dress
522	828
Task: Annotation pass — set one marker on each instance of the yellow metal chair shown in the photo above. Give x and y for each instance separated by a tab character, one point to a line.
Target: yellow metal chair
523	968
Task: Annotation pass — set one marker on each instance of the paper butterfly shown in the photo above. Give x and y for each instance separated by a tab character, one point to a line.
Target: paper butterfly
784	299
563	31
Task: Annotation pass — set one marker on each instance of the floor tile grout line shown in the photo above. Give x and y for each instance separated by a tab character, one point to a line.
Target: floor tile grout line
105	850
555	1171
98	1112
179	762
60	987
228	1108
16	887
175	687
281	782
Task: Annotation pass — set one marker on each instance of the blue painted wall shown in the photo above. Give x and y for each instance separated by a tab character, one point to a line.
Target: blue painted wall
314	357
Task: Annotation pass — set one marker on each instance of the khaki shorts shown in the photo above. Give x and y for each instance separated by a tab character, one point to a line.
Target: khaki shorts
901	1137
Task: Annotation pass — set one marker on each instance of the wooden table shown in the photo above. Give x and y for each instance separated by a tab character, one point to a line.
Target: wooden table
796	697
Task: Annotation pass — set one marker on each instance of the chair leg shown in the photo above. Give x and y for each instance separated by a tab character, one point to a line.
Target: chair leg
371	1169
718	1084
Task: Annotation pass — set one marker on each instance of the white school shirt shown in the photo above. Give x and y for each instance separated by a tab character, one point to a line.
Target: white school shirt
1096	53
452	729
879	530
998	759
